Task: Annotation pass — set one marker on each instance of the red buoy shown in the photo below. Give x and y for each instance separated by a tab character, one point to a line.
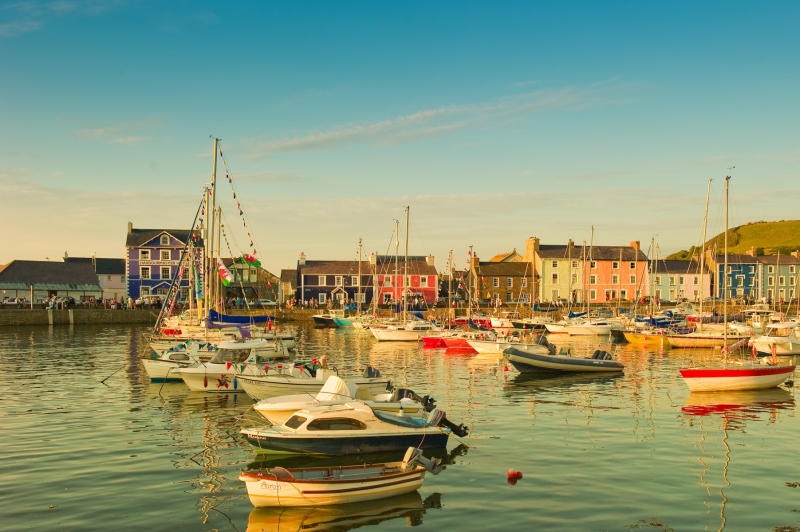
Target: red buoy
512	481
506	368
512	473
519	474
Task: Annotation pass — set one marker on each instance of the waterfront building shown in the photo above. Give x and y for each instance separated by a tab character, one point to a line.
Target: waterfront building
250	281
381	276
152	258
776	277
739	280
288	285
502	281
672	280
37	280
110	275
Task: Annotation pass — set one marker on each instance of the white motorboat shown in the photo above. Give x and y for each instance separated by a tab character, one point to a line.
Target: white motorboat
504	320
351	428
232	360
160	368
589	328
709	340
320	486
336	391
784	336
294	380
410	332
504	342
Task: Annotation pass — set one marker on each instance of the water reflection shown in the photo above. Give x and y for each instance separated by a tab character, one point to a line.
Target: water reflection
343	517
735	409
527	383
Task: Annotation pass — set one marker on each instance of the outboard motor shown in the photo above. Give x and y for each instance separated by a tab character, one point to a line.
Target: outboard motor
404	393
437	418
601	355
414	456
371	373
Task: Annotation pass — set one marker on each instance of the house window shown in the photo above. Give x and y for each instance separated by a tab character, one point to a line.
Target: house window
354	281
322	281
555	264
496	282
185	293
681	280
144	254
387	281
782	280
695	280
574	278
162	292
423	281
145	292
524	282
495	296
658	294
632	279
672	280
555	278
592	280
509	282
339	280
730	269
770	281
592	294
791	280
322	297
164	240
791	269
164	254
696	295
508	296
752	281
730	282
122	278
633	265
615	279
165	272
108	278
145	272
658	279
770	269
574	263
752	269
361	298
593	264
615	265
623	294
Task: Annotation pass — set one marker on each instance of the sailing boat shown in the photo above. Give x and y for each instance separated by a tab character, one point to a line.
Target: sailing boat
407	331
740	377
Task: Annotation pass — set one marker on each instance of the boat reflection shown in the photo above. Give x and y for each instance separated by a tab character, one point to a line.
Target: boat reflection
531	382
735	408
345	516
310	460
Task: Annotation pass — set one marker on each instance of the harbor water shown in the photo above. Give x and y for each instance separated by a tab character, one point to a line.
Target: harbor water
88	443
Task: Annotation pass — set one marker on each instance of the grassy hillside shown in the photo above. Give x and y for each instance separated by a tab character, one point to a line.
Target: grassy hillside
767	237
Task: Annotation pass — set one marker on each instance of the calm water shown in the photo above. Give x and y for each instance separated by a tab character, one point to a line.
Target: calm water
614	453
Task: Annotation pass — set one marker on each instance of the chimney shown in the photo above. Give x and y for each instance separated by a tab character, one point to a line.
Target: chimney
429	260
796	254
531	248
373	259
66	256
130	227
571	244
636	245
302	261
751	252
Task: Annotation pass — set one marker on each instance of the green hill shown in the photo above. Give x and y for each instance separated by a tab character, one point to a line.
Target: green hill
768	238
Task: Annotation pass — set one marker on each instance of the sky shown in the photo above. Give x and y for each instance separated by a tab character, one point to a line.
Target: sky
493	121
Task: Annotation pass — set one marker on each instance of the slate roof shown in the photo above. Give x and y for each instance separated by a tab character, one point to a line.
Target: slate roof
678	266
139	237
289	276
102	266
50	275
734	258
508	256
592	253
773	259
506	269
416	266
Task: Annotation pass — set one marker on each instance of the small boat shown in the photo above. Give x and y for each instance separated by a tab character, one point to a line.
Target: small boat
336	391
589	328
708	340
352	428
501	343
161	367
342	322
524	361
410	332
302	379
326	319
646	337
784	336
728	378
321	486
532	324
232	360
504	320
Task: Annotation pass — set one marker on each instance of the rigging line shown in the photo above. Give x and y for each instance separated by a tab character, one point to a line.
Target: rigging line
246	220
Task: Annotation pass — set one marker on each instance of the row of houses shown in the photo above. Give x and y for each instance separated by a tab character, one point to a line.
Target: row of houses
543	273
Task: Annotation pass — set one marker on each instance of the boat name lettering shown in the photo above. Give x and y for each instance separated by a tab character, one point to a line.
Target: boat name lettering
268	486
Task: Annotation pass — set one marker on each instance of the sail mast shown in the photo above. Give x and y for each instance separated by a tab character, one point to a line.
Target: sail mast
358	297
396	261
703	254
405	275
209	242
725	279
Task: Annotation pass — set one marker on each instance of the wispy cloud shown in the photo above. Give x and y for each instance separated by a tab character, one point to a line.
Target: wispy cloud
441	120
12	29
122	133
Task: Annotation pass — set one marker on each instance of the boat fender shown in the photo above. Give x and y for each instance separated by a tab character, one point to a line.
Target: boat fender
205	381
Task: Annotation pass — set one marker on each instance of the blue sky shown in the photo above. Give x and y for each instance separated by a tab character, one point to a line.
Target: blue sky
494	121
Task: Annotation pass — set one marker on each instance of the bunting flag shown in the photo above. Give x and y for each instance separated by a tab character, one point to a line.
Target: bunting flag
224	273
249	259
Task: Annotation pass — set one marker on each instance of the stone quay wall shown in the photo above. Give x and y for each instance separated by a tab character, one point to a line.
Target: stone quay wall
11	317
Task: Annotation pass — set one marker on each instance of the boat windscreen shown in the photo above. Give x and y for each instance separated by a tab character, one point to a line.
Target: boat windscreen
294	422
337	423
234	356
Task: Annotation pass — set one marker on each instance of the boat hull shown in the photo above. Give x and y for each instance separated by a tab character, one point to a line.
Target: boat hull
264	442
433	342
265	387
739	378
708	342
532	362
161	370
267	492
324	321
645	338
588	330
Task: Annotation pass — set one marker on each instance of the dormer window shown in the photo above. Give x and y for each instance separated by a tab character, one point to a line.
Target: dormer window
164	240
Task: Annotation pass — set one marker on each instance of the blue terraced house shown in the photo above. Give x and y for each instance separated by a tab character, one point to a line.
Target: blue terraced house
152	257
741	278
